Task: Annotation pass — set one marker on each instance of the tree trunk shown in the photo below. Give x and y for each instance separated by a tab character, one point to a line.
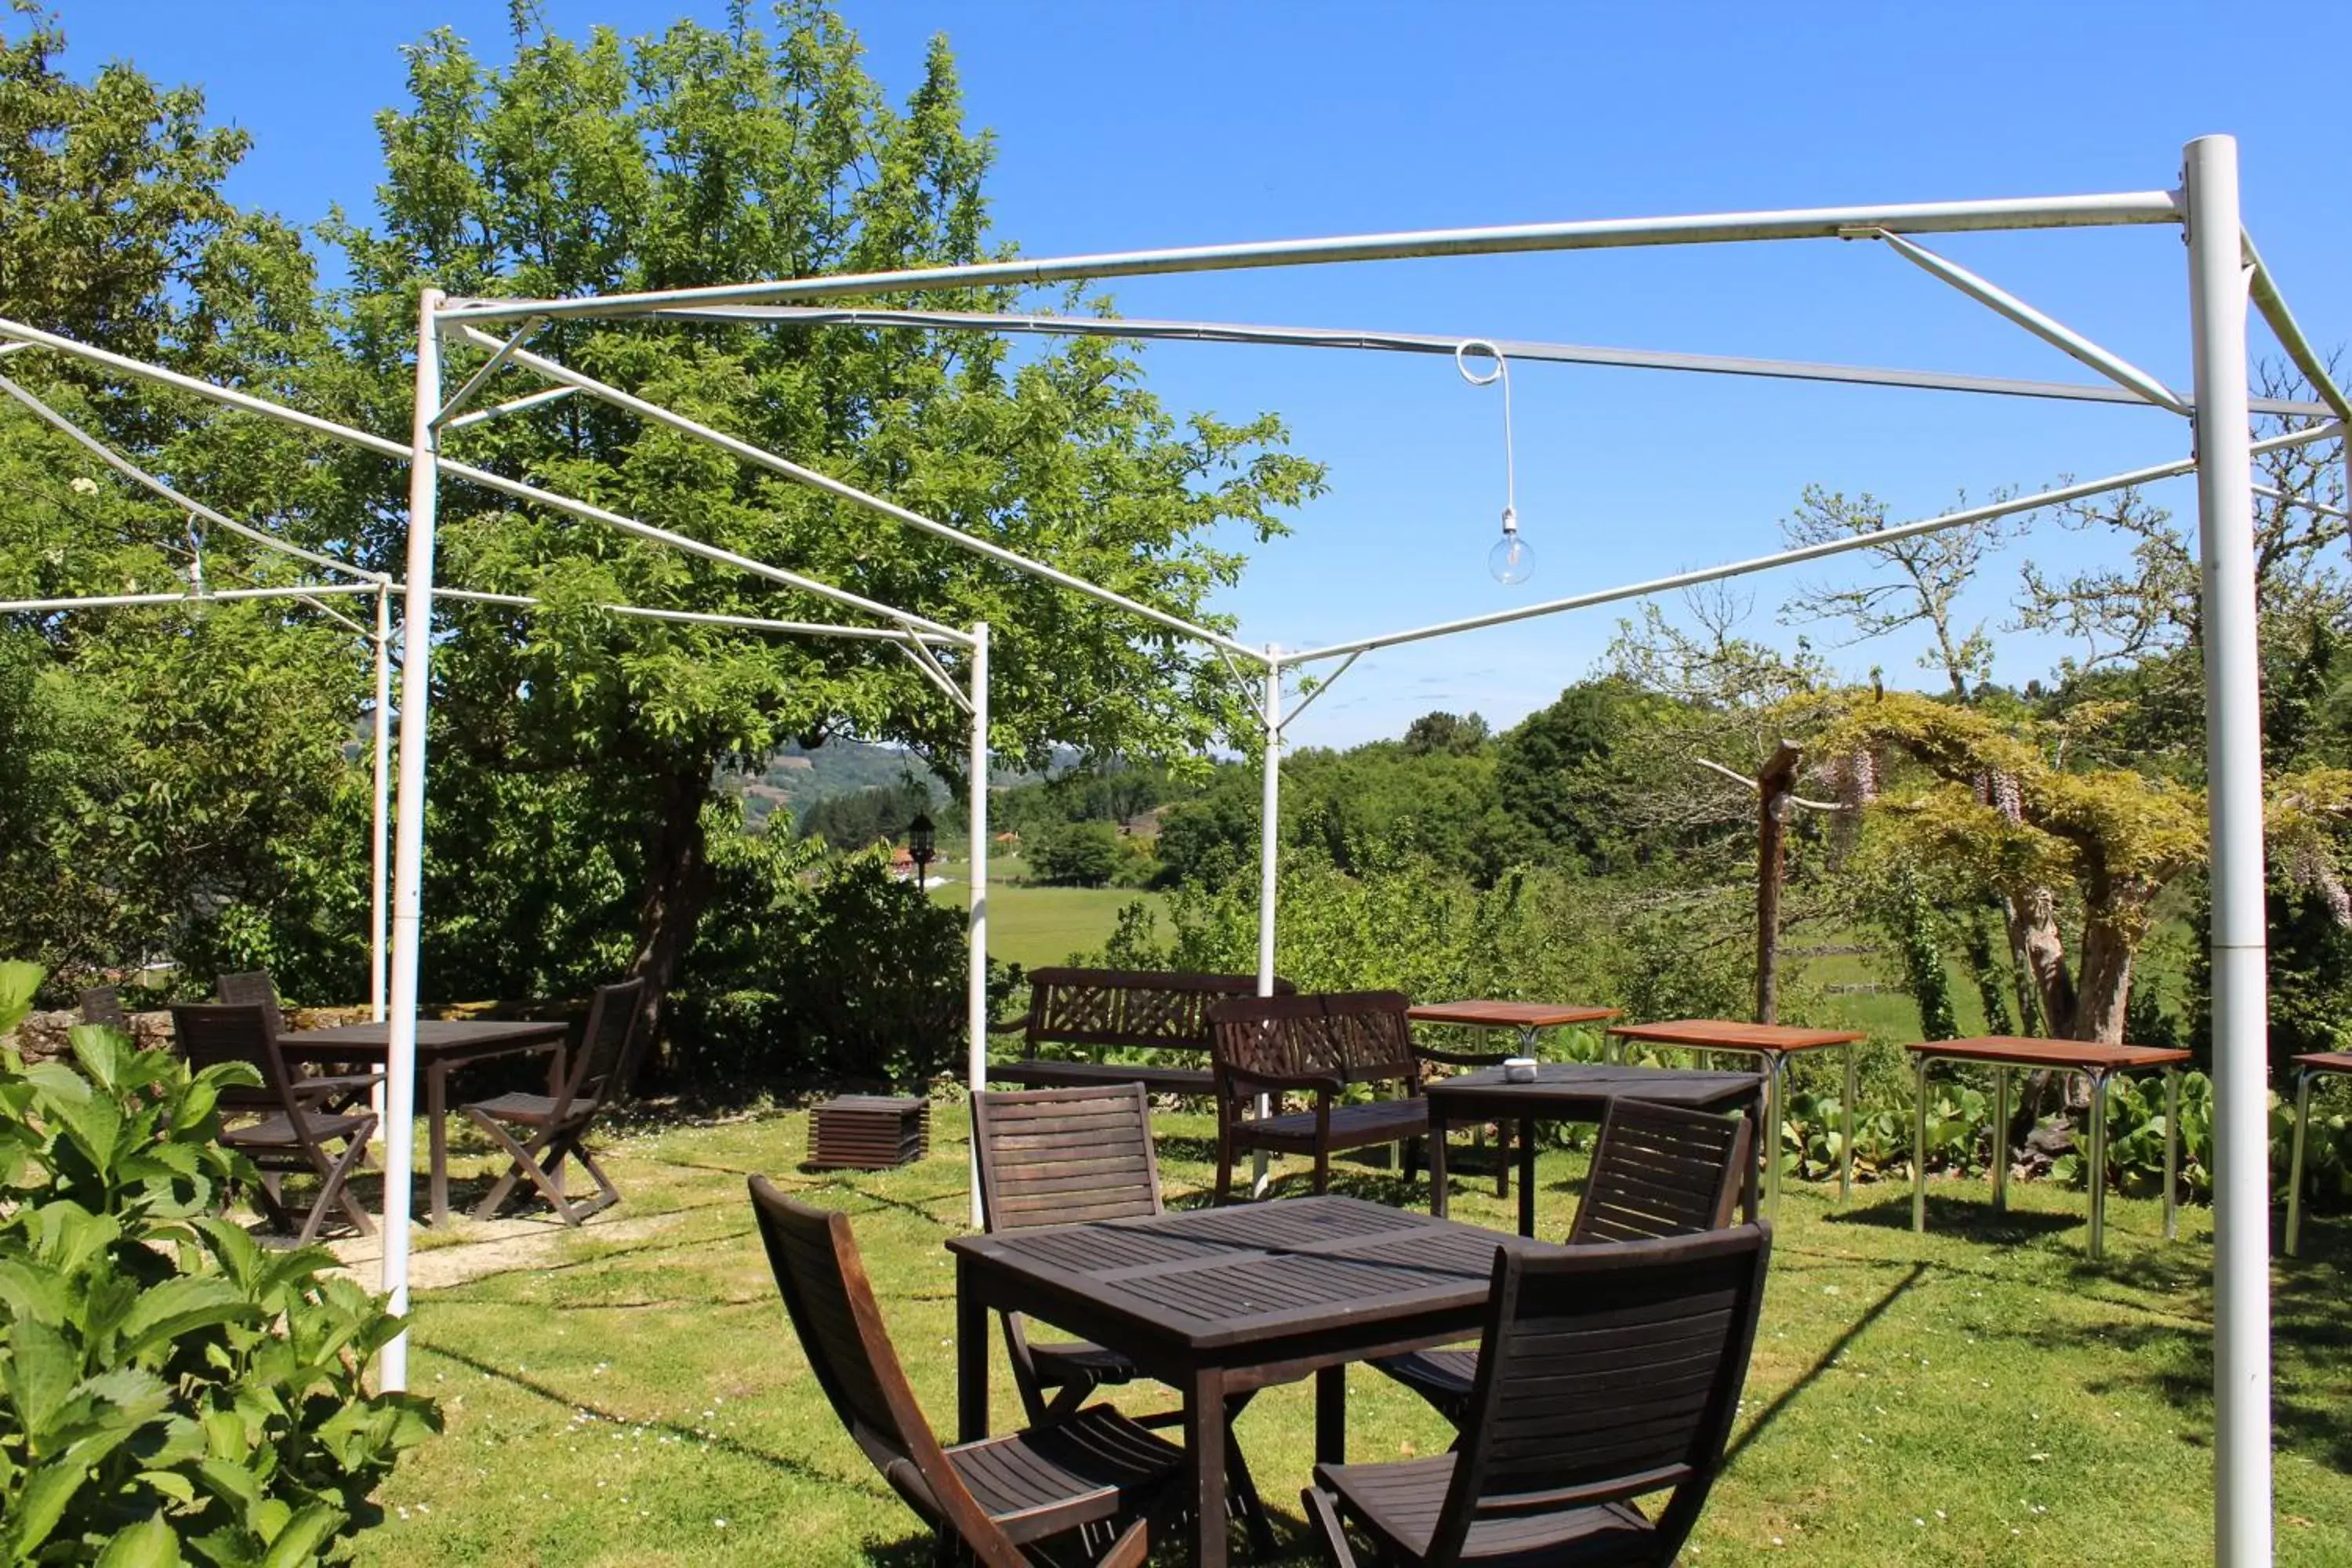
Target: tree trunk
677	885
2034	935
2105	986
1777	777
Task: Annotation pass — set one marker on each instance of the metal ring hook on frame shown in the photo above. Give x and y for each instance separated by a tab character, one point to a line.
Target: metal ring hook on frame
1501	373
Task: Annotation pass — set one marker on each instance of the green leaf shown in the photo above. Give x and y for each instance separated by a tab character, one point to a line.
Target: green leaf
180	1306
42	1369
299	1542
18	982
43	1501
150	1543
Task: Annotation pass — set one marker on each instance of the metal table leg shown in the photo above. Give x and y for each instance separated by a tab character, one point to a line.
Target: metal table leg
2294	1164
2172	1154
1527	1176
1776	1071
1999	1138
1845	1163
2098	1171
1919	1151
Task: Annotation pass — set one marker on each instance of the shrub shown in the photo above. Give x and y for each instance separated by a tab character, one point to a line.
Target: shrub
1076	854
168	1391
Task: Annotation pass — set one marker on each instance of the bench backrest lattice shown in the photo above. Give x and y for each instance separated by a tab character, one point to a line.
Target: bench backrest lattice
1099	1010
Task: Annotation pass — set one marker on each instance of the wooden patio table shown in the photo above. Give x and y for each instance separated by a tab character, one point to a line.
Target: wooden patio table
1529	1018
1215	1301
1773	1044
2096	1063
441	1044
1573	1091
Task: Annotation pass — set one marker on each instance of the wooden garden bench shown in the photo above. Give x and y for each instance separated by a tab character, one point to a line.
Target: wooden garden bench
1123	1009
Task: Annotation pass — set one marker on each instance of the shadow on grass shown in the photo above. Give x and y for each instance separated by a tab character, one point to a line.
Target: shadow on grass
1963	1219
1828	1358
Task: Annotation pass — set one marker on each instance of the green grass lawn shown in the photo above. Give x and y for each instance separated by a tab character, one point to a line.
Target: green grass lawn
1980	1395
1034	926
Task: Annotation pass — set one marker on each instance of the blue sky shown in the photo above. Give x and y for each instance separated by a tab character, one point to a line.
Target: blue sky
1143	125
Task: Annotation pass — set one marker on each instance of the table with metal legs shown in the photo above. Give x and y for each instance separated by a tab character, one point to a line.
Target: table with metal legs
1528	1019
2309	1070
1773	1045
2096	1064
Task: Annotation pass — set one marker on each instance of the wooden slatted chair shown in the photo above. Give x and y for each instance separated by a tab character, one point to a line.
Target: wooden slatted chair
556	1124
1658	1171
103	1005
1318	1046
1092	1475
286	1125
1607	1374
253	988
1077	1156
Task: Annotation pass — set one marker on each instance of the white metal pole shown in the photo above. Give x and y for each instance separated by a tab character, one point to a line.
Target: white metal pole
378	842
976	930
1269	865
408	850
2218	278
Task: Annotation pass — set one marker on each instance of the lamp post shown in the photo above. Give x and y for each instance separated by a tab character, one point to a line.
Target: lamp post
918	846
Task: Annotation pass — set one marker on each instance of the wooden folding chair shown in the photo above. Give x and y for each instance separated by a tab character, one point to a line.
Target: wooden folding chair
1087	1483
291	1125
556	1124
1072	1156
1607	1374
1658	1171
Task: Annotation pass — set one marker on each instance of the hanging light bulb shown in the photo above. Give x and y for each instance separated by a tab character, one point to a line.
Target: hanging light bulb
1513	559
200	594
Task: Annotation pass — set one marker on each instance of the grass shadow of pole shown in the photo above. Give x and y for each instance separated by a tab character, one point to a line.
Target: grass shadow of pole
1838	1347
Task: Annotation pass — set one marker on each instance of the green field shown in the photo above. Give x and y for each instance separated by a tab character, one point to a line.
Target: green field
632	1393
1035	926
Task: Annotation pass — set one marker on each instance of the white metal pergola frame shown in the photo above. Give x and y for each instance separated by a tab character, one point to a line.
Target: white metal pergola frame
393	987
2224	272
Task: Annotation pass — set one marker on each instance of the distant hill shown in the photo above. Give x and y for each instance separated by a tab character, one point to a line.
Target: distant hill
798	777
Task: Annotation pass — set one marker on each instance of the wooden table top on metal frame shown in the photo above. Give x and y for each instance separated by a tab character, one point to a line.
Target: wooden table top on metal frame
1571	1091
1529	1018
2096	1063
2309	1068
1213	1301
1773	1044
441	1044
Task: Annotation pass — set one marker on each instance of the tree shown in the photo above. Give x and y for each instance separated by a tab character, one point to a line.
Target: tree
178	781
1924	576
1077	854
1456	734
1542	765
1994	804
701	155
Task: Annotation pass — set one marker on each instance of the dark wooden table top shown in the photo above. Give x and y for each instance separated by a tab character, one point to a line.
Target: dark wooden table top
2327	1061
1731	1033
2016	1051
451	1037
1581	1092
1508	1015
1248	1277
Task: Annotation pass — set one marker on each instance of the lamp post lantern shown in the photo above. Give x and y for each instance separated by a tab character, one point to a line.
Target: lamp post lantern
918	846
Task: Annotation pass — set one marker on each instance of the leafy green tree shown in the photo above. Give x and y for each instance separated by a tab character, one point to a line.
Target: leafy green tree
178	781
701	155
1544	765
1458	734
1077	854
870	816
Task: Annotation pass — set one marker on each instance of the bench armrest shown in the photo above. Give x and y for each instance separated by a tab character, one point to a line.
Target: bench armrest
1007	1025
